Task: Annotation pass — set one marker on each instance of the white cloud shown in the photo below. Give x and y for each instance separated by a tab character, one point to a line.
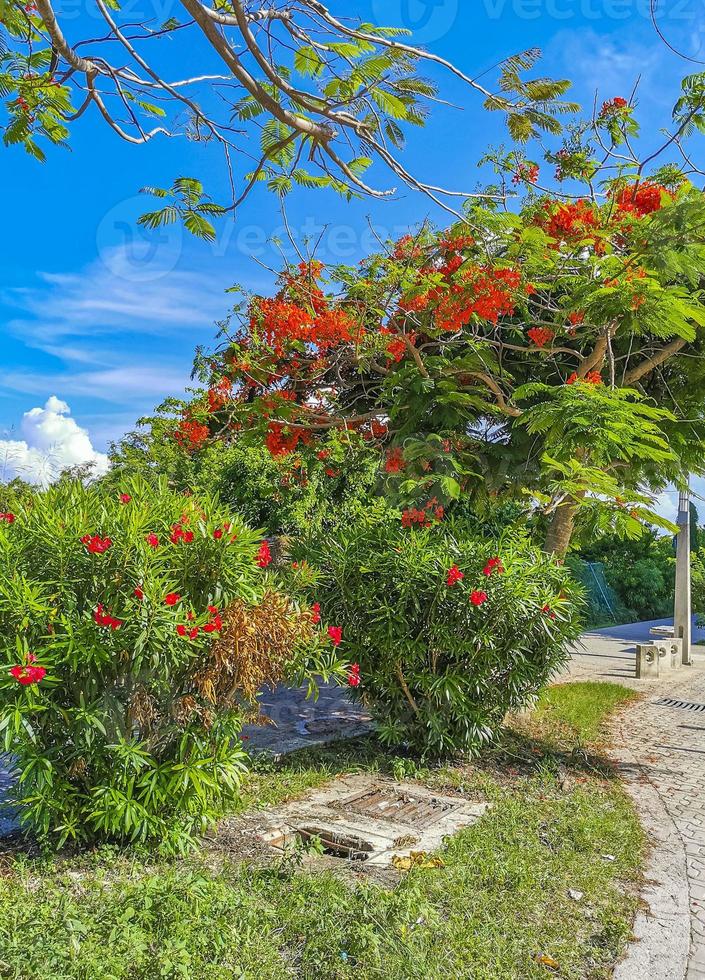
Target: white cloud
51	441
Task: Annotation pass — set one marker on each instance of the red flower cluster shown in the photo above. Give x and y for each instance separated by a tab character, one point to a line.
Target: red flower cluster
214	624
354	675
218	395
641	199
172	599
395	461
413	516
29	673
576	318
454	576
407	248
591	378
284	439
316	613
8	517
540	336
566	221
103	618
422	518
396	348
152	540
548	612
493	565
613	106
477	598
483	292
138	593
283	323
191	434
264	555
185	631
526	171
124	498
95	545
336	635
178	534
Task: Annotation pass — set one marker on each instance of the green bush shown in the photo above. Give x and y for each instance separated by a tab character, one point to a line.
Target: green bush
284	495
134	626
441	657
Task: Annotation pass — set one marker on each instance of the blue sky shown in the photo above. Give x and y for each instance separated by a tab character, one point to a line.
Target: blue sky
106	317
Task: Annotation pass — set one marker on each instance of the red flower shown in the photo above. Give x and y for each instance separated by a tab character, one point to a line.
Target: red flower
138	593
124	498
102	618
641	199
395	461
95	545
30	673
188	537
454	575
477	598
316	612
8	517
576	317
540	336
194	633
526	171
181	630
218	533
613	106
264	556
493	565
548	612
336	635
152	540
593	378
172	598
354	675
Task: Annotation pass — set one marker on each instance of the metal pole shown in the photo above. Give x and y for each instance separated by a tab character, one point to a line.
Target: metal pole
683	618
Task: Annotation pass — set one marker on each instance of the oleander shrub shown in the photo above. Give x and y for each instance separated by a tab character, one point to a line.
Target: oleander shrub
135	630
446	631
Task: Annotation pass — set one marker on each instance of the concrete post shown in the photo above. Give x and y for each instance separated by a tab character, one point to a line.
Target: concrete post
683	619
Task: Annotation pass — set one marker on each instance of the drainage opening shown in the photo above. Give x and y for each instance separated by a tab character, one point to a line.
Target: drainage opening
388	804
685	705
333	844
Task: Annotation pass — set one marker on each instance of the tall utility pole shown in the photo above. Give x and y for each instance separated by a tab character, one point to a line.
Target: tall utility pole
683	618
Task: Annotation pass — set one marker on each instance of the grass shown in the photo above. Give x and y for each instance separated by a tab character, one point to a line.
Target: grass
581	708
546	877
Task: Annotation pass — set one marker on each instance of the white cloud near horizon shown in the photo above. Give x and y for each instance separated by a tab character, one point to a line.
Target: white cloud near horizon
51	441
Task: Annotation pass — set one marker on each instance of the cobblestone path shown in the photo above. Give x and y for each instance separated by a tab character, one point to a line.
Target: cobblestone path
668	743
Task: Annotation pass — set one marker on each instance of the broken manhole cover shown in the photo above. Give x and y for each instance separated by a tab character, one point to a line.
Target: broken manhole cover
359	818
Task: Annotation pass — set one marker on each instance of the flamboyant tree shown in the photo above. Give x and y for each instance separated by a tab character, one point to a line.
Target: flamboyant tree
300	95
553	349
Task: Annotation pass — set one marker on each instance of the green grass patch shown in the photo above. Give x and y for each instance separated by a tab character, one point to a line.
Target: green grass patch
582	707
549	871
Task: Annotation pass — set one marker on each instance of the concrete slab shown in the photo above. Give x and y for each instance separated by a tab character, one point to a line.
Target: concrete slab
401	818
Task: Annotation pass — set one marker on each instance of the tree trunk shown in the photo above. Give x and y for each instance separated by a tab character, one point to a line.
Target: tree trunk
561	527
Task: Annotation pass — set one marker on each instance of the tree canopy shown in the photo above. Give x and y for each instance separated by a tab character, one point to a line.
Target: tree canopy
303	96
553	350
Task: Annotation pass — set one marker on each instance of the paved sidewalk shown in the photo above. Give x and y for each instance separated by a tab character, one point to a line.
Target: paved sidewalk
668	745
